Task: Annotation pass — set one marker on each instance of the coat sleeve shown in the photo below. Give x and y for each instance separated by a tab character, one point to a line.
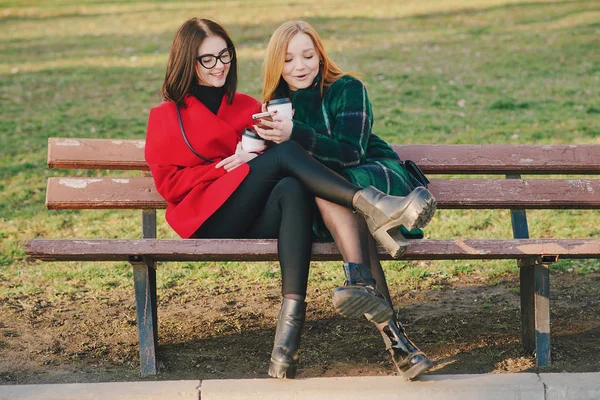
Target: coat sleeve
345	143
173	182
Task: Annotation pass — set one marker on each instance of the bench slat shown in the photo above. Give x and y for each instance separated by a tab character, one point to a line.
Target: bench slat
504	159
140	193
433	159
266	249
102	193
96	154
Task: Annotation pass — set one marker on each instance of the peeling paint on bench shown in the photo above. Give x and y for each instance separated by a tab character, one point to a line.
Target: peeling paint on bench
68	142
77	183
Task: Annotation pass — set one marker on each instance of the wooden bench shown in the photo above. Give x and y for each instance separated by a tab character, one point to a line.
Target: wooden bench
509	192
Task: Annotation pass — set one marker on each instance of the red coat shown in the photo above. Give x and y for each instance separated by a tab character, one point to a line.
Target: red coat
194	189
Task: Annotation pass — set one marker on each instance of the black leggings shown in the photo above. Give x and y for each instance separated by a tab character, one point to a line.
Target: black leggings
290	159
274	201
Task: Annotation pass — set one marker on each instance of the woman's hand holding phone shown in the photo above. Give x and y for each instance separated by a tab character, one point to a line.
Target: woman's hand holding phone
260	117
278	129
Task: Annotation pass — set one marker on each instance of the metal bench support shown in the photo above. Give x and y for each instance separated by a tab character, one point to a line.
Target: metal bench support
144	277
541	288
535	294
527	273
149	232
535	308
145	305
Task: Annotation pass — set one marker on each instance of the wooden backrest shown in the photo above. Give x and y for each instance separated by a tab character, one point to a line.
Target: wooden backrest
433	159
140	193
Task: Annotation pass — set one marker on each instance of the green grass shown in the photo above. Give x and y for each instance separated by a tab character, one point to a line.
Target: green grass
454	71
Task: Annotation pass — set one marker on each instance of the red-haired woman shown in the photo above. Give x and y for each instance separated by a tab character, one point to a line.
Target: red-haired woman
332	121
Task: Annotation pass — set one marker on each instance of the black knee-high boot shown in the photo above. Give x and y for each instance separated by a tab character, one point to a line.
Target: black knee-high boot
359	295
409	360
284	357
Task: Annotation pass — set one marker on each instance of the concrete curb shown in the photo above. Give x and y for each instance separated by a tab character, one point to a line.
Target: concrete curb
434	387
530	386
584	386
179	390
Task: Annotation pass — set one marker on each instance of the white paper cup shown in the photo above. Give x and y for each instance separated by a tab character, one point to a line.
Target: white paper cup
283	106
251	141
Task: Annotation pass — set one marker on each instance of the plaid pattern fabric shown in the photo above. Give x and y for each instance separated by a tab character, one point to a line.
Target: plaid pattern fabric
336	130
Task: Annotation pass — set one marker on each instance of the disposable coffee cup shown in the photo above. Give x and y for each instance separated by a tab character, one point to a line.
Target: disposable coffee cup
251	141
283	106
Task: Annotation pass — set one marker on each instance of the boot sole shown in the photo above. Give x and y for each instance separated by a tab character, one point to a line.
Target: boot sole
282	370
427	211
418	214
415	370
356	304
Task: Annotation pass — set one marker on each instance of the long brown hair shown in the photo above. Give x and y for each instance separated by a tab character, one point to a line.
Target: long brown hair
277	49
181	68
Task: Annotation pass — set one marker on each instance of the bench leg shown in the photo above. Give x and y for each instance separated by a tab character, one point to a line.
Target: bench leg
535	289
144	277
149	231
535	309
542	314
527	306
153	301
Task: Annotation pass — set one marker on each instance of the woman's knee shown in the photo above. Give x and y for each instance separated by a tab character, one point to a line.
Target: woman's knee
288	148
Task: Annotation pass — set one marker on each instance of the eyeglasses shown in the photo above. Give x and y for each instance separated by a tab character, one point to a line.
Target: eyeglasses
209	61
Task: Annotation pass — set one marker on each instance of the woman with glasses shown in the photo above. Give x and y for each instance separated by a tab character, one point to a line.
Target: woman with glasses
215	189
332	121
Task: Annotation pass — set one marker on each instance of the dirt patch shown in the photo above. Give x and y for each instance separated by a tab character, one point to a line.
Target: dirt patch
468	326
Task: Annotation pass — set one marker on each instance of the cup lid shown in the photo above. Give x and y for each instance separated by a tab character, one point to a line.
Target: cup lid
251	133
282	100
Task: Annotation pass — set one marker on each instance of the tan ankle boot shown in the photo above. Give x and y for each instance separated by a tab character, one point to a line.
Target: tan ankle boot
385	214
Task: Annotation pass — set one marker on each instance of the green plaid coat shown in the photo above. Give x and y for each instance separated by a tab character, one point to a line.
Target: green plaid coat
336	130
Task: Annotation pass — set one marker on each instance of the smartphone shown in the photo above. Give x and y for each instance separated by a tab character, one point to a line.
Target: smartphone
262	116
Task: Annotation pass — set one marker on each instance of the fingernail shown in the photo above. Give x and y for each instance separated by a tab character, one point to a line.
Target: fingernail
275	112
259	120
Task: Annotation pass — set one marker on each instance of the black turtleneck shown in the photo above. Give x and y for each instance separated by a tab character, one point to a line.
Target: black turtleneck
210	96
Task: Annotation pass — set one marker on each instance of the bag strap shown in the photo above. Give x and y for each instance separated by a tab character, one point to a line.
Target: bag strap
208	160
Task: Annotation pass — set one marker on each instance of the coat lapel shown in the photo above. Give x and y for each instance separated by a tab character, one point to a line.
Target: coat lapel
209	134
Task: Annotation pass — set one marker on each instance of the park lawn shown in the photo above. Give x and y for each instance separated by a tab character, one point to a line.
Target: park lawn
497	71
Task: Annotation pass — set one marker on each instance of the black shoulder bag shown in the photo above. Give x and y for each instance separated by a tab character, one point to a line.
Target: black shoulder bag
417	176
